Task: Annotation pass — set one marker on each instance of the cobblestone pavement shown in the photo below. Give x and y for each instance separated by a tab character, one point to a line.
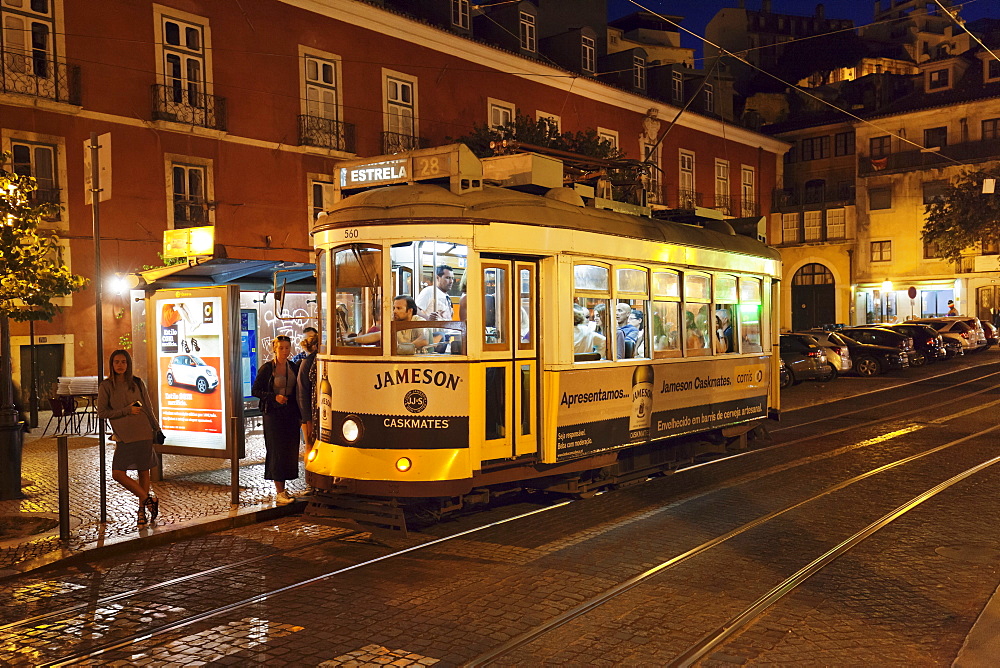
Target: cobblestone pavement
909	596
193	489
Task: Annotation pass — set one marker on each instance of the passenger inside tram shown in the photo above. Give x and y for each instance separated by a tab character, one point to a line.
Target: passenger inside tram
586	341
408	341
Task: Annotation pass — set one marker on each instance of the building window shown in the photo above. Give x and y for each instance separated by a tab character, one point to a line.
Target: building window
934	191
937	79
709	98
843	143
790	228
189	191
39	161
991	129
610	136
321	197
989	247
879	198
836	227
651	152
501	113
460	14
184	62
813	226
400	114
993	69
639	72
721	184
321	88
27	41
815	148
878	147
881	251
748	192
588	54
936	137
686	193
677	86
527	32
931	250
554	121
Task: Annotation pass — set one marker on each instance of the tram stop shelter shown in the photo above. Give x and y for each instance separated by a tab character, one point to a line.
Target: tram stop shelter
200	331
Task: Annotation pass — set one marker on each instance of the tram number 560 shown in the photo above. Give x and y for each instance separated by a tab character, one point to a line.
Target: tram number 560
351	233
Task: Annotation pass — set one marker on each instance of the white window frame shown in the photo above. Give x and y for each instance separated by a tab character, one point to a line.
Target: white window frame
748	189
161	14
460	14
686	179
812	226
709	98
721	181
389	105
639	72
528	32
10	137
208	165
790	228
497	109
334	105
677	86
539	115
609	135
325	183
588	54
836	224
18	44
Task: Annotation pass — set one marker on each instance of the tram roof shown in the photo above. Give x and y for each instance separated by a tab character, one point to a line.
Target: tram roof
400	204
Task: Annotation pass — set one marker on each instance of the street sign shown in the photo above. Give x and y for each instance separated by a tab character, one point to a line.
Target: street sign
104	164
912	292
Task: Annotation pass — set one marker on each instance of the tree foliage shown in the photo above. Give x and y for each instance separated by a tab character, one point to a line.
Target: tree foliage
486	141
963	216
31	270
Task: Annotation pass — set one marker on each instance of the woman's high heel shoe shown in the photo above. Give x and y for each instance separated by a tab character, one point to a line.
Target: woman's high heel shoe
141	520
153	504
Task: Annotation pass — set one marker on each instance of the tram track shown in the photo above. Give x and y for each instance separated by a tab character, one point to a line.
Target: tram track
119	643
717	636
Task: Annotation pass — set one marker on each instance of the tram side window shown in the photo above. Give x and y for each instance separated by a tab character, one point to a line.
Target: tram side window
592	323
750	308
697	314
357	271
665	314
430	272
726	298
631	312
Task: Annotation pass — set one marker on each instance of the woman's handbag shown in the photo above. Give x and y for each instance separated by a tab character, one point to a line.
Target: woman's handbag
159	437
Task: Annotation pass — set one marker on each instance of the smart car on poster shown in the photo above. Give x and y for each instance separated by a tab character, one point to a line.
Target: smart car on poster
192	370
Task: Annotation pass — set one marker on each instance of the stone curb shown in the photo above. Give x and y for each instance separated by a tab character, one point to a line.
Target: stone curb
154	537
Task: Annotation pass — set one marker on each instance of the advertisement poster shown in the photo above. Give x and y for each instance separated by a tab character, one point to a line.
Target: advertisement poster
422	406
189	358
604	408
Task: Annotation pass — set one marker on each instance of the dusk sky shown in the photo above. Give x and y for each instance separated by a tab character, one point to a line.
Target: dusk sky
697	13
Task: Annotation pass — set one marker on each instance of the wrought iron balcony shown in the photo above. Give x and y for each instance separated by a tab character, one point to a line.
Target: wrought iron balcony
746	208
182	105
684	198
394	142
725	204
965	152
190	213
795	198
39	76
326	133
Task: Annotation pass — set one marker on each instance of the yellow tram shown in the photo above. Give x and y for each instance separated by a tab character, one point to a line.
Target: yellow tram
556	342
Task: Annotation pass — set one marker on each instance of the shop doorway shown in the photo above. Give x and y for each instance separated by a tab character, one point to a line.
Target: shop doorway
988	303
49	357
813	297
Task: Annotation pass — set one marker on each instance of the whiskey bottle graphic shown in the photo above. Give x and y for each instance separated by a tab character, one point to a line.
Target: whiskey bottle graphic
642	402
325	408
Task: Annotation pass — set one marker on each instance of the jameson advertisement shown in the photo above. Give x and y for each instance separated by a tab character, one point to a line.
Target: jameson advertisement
189	353
605	408
423	406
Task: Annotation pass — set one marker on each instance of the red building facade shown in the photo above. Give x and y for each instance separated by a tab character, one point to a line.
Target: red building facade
237	114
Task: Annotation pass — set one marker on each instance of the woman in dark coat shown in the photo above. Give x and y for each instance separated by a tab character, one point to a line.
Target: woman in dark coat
306	385
275	387
122	398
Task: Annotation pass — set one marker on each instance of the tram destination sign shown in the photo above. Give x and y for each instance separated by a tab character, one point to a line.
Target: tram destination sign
441	163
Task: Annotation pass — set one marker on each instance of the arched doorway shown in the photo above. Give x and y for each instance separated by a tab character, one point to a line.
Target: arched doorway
813	297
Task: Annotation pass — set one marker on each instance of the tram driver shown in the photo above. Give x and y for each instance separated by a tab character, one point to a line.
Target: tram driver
404	309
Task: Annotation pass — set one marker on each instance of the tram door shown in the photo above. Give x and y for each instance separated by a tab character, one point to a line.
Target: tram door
510	340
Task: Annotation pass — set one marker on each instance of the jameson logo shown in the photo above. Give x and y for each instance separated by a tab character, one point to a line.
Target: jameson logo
417	377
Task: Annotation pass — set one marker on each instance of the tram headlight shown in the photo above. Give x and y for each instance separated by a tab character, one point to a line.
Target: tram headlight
352	429
313	453
403	464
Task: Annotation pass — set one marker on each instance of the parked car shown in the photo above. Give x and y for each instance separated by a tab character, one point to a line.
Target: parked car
805	359
871	359
882	336
192	370
954	331
975	324
837	352
927	343
991	333
783	374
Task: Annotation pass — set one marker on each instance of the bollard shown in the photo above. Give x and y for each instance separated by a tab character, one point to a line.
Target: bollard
63	464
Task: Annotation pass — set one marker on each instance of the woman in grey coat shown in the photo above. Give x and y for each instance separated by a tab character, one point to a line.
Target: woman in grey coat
122	398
